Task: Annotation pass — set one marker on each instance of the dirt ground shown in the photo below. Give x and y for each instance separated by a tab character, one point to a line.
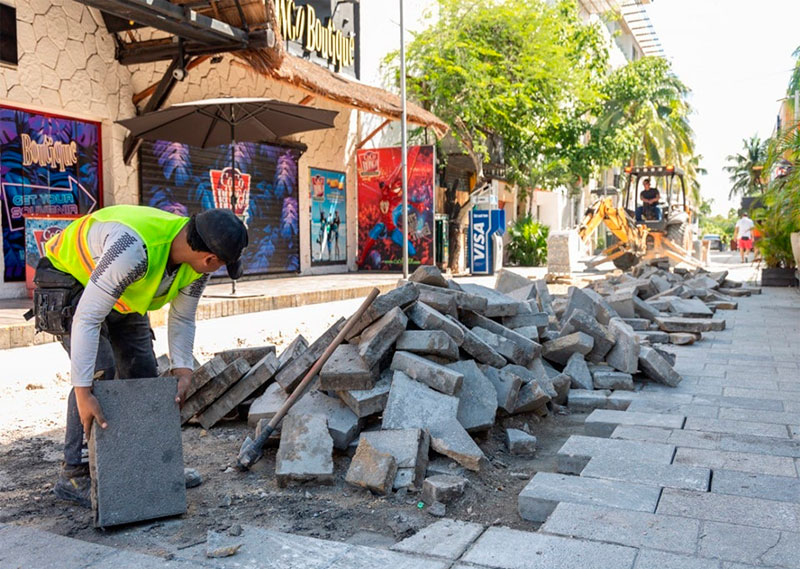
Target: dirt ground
32	405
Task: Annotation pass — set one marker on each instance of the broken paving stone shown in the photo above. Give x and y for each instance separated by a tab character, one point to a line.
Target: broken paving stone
498	304
403	296
437	510
577	299
645	310
429	319
371	401
561	384
529	332
292	351
578	371
690	308
343	424
654	337
507	281
409	447
678	324
205	373
656	366
622	302
219	545
441	299
503	346
717	324
428	274
414	405
290	376
212	390
192	478
477	406
560	349
346	370
306	450
531	397
252	355
611	379
506	386
543	295
638	324
435	342
682	338
624	356
443	488
437	376
582	400
603	311
267	405
371	469
379	337
582	321
538	319
472	320
520	442
478	348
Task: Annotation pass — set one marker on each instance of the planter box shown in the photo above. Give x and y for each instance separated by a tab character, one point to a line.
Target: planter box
795	237
778	277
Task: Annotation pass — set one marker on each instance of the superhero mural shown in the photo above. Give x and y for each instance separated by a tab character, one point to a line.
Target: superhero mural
328	217
185	179
49	166
380	208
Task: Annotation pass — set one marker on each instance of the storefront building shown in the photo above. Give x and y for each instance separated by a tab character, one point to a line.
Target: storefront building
62	153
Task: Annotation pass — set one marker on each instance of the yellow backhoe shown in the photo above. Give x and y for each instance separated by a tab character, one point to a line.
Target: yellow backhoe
659	232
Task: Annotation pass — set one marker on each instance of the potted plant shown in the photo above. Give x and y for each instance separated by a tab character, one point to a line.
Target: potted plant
777	224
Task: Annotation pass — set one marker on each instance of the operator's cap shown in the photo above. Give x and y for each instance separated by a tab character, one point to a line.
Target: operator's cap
225	235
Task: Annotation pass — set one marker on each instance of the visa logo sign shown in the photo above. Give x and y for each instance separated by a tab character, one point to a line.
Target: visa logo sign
479	241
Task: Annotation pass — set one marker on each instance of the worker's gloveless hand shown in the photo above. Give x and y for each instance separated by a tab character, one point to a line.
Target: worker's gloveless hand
184	376
89	409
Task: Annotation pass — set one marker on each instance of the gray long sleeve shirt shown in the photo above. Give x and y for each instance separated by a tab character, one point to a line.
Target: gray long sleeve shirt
120	258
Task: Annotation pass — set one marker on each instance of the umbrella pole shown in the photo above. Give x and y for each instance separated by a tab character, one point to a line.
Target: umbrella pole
233	178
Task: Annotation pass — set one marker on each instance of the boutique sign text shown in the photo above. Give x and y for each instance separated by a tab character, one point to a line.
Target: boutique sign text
301	24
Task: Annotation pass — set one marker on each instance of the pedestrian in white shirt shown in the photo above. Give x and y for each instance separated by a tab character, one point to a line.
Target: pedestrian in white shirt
743	233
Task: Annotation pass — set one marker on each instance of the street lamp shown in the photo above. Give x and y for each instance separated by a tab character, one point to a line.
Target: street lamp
404	142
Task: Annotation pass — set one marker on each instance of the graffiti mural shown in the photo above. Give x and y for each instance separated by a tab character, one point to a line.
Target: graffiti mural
328	217
262	190
380	208
49	165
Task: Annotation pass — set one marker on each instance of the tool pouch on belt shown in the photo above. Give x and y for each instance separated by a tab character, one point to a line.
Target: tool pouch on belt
54	299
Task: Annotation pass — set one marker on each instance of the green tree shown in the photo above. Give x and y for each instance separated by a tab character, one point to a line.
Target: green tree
745	168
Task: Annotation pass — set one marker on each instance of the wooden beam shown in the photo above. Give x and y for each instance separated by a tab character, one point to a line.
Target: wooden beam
372	134
160	49
307	100
142	95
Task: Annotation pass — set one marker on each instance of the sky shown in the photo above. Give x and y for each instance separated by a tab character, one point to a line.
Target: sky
736	57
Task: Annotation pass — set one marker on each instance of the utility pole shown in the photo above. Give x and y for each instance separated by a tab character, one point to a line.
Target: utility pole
404	142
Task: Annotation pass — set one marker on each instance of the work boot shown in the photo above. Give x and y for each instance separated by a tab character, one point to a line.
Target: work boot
74	484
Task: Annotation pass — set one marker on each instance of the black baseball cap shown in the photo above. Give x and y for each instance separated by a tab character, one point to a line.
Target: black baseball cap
225	235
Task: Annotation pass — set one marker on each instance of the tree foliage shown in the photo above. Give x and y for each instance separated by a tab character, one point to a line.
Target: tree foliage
745	168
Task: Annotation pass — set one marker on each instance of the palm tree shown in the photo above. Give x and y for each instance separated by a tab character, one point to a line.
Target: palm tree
693	172
746	167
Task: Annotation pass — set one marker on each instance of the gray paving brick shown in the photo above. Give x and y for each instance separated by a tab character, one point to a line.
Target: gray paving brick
25	547
602	422
638	433
446	538
768	514
781	488
133	481
624	527
743	402
756	546
576	452
580	400
775	417
505	548
664	475
545	490
736	427
745	462
651	559
762	394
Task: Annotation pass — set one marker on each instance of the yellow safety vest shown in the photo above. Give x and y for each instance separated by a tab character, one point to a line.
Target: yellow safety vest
69	252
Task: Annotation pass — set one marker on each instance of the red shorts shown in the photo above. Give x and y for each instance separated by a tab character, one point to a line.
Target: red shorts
745	244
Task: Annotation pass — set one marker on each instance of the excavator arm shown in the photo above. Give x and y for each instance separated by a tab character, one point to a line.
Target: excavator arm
632	238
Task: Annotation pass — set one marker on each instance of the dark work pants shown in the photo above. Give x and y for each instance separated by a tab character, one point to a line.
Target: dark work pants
125	350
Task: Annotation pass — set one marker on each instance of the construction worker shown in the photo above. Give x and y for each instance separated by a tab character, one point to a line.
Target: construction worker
98	280
649	208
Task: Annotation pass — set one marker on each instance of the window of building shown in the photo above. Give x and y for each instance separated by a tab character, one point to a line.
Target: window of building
8	35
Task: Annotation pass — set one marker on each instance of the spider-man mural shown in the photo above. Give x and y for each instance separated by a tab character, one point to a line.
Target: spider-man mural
380	207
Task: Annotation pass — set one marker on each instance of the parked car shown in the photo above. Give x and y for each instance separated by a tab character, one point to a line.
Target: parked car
716	241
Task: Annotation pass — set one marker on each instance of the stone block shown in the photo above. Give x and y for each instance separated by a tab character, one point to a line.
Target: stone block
561	349
292	351
602	422
575	454
531	397
379	337
427	318
751	485
442	488
543	296
477	348
463	300
622	302
346	370
267	405
506	386
205	373
435	342
653	474
428	274
637	324
561	384
498	304
660	283
477	405
507	281
604	377
209	393
503	346
563	250
690	308
657	367
132	481
578	299
537	319
682	338
717	324
440	299
603	311
446	538
252	355
624	356
529	332
372	469
306	450
582	321
653	336
292	374
583	400
413	405
678	324
645	310
439	377
732	460
409	447
578	371
472	320
342	423
404	295
370	401
257	376
520	442
546	490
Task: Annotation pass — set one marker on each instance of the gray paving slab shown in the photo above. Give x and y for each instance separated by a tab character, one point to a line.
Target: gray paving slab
781	488
768	514
775	417
505	548
756	546
687	410
25	547
652	559
638	433
624	527
602	422
546	490
580	400
132	481
742	402
446	538
576	452
742	461
736	427
762	394
664	475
